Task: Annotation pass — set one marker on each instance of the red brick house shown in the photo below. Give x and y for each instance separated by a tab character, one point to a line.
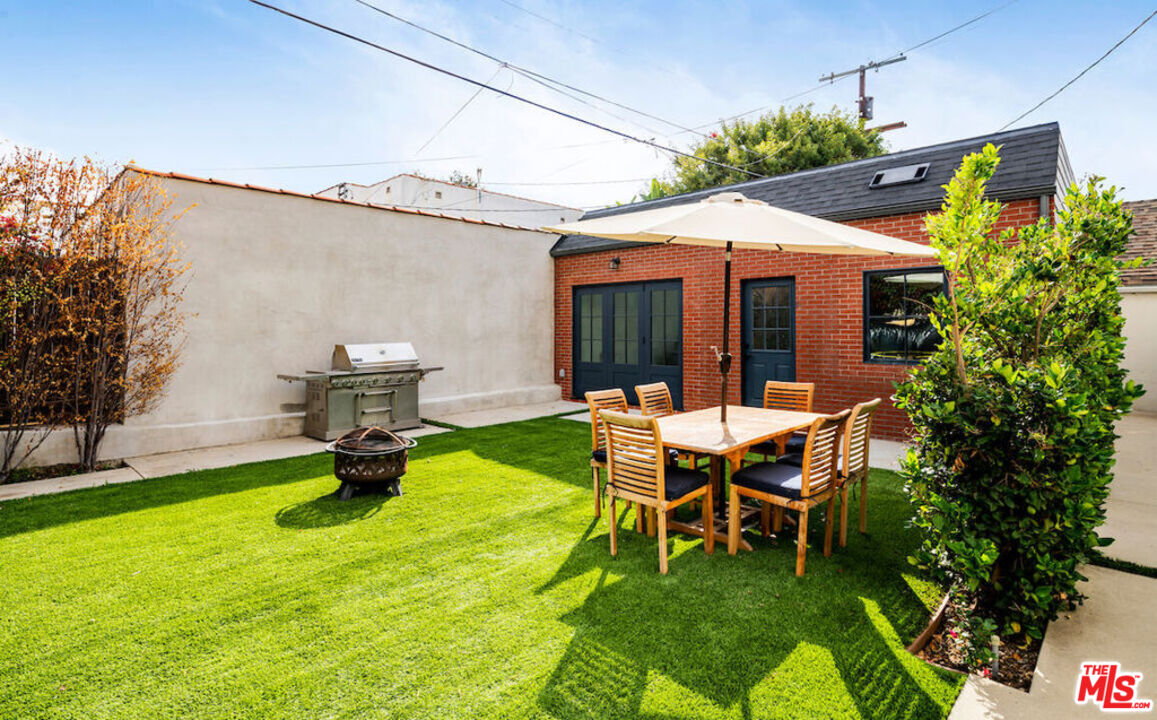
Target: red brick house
629	313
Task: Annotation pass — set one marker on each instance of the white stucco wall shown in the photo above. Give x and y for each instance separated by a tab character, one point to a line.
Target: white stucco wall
1139	305
276	281
418	192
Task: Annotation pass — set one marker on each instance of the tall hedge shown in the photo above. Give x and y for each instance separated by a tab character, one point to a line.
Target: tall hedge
1014	413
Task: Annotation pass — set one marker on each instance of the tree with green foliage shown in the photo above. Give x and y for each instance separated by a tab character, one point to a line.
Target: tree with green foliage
1013	414
462	178
779	142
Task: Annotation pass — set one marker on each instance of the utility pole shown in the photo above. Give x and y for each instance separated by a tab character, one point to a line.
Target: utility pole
865	100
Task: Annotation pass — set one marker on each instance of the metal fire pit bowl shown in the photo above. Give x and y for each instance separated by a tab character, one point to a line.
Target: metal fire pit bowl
368	457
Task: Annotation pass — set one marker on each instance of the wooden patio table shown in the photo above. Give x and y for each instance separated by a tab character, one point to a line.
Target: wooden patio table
700	432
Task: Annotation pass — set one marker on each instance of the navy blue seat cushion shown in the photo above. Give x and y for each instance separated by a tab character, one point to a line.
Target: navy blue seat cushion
601	456
795	444
771	478
764	448
680	481
795	459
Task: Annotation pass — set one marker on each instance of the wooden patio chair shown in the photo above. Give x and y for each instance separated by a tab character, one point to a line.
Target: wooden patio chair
655	401
783	486
786	396
614	399
637	471
852	467
857	435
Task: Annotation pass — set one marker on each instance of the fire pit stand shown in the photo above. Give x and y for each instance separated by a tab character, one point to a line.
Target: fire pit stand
370	456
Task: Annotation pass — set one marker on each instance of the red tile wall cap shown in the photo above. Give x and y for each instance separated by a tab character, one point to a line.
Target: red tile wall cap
293	193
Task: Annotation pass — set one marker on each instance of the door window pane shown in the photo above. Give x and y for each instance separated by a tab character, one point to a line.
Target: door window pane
665	330
591	328
771	318
626	323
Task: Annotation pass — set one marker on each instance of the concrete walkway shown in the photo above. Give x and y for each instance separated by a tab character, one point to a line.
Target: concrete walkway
497	416
150	466
160	465
1132	504
1109	627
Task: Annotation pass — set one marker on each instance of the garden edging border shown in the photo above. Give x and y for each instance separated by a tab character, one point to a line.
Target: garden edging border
931	629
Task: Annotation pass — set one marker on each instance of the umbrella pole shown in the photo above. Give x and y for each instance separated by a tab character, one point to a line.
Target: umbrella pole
725	358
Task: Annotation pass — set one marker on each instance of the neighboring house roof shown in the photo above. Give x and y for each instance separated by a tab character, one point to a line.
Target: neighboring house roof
1033	163
1142	243
451	184
292	193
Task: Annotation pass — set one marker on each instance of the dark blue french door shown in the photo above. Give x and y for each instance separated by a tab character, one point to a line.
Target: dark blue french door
628	335
768	335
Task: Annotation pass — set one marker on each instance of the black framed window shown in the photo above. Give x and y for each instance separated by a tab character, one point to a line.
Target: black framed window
896	307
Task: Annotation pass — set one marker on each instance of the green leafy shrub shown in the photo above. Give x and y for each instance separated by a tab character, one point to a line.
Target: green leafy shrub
1014	412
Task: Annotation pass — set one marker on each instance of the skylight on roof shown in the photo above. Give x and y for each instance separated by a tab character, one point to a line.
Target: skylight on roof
899	176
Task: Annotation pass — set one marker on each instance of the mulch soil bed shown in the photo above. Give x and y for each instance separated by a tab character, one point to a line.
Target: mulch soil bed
62	470
1016	665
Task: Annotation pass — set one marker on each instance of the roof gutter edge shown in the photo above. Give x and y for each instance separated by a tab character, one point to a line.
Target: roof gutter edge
878	212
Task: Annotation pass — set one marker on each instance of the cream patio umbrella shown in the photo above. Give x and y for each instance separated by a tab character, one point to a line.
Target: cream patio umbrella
730	221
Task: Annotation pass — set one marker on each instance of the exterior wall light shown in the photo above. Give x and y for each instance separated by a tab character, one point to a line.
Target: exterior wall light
615	263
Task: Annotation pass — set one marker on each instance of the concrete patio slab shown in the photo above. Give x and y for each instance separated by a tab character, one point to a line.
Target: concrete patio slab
497	416
49	486
1106	628
151	466
1133	497
162	464
585	417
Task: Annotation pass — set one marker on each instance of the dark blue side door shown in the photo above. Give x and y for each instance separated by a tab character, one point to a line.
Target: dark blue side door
768	335
627	335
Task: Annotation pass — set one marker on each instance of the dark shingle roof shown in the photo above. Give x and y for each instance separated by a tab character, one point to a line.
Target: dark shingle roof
1143	243
1033	163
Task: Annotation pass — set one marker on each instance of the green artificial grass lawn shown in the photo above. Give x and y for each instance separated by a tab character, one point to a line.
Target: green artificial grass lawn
486	591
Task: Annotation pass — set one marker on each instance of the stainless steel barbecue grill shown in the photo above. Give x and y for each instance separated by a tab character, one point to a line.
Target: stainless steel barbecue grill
371	384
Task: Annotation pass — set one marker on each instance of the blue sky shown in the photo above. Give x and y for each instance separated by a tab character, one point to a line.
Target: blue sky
224	88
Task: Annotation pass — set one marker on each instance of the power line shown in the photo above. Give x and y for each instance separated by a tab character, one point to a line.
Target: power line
789	98
694	129
549	86
532	75
823	85
1081	74
576	182
545	19
323	166
440	208
961	26
504	93
456	114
